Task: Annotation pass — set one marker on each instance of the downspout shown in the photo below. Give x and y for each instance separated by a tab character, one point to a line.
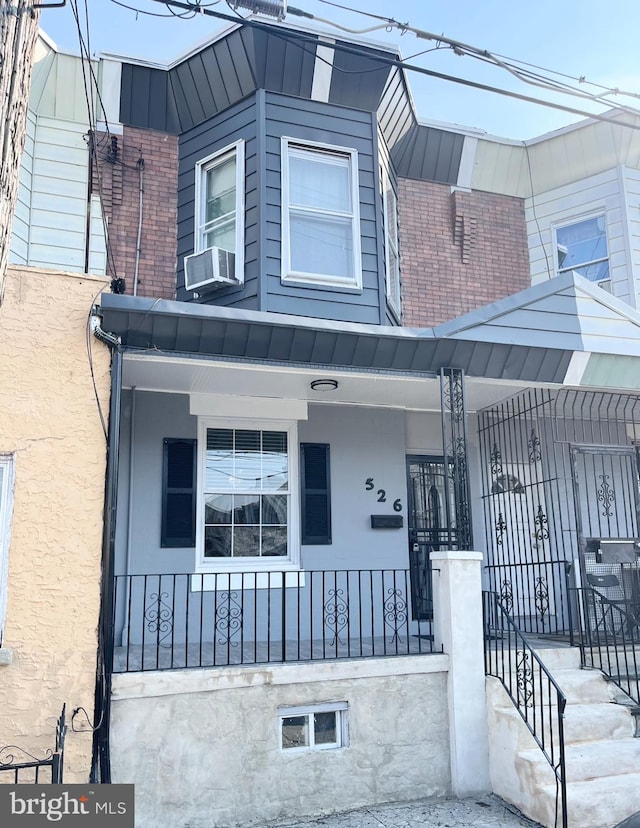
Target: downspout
140	166
101	759
125	630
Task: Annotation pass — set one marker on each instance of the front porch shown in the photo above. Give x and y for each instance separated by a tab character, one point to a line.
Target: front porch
177	621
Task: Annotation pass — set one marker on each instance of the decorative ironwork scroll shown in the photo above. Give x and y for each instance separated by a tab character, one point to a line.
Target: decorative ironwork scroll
541	522
541	594
228	618
506	596
496	461
454	439
535	455
336	615
606	496
395	613
524	679
501	528
159	616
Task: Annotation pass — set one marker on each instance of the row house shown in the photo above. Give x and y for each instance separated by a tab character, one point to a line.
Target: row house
362	366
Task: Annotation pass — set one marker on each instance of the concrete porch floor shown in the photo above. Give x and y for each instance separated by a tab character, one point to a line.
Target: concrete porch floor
221	654
478	812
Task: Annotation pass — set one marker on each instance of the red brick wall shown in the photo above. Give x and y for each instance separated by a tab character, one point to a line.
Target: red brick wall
459	250
120	185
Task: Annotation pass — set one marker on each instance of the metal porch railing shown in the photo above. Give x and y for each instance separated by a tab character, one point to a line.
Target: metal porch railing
17	766
176	621
537	697
608	633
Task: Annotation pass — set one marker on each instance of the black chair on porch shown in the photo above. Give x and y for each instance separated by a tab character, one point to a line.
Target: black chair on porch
613	611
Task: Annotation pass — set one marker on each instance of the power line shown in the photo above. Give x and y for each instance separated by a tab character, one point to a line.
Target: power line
364	51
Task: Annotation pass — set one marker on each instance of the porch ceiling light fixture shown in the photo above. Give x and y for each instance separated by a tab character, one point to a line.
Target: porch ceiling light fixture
324	385
270	8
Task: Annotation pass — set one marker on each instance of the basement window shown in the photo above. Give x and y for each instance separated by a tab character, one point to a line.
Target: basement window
316	727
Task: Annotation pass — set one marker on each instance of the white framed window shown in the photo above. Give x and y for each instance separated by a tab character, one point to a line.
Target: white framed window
391	246
581	246
320	215
314	727
219	204
7	462
247	510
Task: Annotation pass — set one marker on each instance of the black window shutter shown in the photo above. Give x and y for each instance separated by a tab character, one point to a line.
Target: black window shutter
316	493
178	493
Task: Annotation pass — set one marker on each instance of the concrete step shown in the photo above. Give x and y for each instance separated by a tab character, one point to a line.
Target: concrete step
559	658
596	803
582	723
584	761
579	686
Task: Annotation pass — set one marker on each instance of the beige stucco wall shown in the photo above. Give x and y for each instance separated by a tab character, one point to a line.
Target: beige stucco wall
49	419
219	729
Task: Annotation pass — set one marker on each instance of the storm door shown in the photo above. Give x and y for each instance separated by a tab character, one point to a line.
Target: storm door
428	530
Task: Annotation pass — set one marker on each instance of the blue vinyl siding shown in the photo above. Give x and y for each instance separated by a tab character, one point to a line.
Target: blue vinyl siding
334	126
238	122
261	120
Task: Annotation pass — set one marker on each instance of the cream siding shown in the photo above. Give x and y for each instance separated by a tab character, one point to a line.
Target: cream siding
97	245
59	196
631	183
19	249
562	205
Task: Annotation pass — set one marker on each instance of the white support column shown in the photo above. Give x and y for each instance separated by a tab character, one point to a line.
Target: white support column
457	611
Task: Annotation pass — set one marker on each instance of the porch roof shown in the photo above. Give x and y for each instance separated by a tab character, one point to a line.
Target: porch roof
159	325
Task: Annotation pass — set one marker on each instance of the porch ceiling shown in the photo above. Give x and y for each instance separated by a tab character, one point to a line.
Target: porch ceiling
199	376
182	329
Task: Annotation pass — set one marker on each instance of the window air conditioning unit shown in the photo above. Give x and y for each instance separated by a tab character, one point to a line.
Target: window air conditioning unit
212	268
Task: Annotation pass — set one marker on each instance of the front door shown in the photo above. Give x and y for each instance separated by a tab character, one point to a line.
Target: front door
427	527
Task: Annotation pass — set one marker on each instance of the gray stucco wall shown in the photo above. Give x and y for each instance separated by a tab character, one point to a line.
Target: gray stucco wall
213	757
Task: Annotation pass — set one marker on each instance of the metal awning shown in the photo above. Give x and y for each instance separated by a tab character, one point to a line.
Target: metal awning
159	325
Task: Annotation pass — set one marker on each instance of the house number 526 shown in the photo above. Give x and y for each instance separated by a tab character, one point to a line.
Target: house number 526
382	494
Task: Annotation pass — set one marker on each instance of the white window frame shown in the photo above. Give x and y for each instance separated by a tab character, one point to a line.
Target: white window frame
328	150
257	564
392	279
203	166
7	462
596	214
341	709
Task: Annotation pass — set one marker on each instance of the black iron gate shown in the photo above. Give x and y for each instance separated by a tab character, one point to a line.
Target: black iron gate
428	531
17	766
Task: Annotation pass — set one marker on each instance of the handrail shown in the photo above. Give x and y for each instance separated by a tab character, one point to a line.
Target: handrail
511	659
610	638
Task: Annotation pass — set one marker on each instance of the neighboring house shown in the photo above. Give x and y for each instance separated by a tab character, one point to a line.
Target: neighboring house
52	465
305	445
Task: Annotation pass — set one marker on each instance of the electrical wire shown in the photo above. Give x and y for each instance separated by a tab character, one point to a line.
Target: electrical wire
298	35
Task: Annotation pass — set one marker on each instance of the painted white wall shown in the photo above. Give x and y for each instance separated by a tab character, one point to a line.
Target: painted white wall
219	730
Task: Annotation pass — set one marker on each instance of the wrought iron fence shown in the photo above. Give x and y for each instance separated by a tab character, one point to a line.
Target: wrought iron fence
172	621
17	766
534	593
537	697
608	632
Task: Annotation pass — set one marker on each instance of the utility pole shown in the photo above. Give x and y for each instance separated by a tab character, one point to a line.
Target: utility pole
18	33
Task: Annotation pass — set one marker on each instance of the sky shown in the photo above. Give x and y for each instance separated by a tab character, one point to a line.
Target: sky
578	38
